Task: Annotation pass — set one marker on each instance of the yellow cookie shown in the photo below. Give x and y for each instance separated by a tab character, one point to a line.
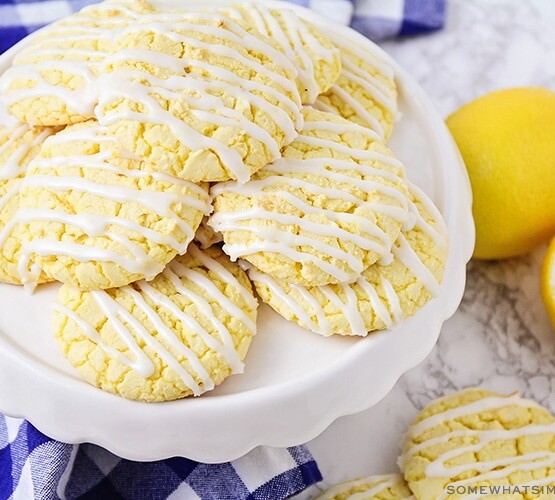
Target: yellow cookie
331	207
181	334
52	81
385	487
19	144
477	443
366	92
317	59
199	95
206	236
383	295
95	219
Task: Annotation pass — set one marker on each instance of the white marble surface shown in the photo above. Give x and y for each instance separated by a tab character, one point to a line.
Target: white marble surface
500	337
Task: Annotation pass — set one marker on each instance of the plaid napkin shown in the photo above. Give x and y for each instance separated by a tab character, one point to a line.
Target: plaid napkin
376	19
35	466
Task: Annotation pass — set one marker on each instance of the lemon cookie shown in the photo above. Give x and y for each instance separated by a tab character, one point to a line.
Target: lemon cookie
199	95
206	236
19	144
316	58
365	92
385	487
465	444
383	295
94	219
51	81
181	334
331	207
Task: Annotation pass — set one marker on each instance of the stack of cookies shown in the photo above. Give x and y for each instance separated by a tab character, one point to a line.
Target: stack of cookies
129	131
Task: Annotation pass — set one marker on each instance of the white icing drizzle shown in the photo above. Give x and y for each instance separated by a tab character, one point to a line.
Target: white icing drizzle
411	260
393	300
492	469
140	362
210	288
298	310
9	194
284	172
224	274
481	405
171	338
114	311
201	93
7	121
382	483
294	38
304	304
365	77
378	305
437	230
96	224
132	332
54	52
11	167
206	236
359	109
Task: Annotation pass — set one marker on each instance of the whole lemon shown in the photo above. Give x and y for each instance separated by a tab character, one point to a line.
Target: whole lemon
507	141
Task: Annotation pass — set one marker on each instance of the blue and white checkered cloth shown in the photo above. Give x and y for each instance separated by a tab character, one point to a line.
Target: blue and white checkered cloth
377	19
33	466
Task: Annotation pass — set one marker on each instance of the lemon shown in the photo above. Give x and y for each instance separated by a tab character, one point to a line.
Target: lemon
548	281
507	141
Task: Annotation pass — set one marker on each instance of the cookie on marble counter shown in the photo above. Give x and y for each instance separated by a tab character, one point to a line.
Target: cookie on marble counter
19	144
178	335
328	209
366	91
52	80
315	56
477	438
94	218
199	96
383	295
382	487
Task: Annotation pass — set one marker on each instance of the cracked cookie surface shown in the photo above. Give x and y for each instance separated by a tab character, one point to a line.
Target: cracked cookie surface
365	92
178	335
329	208
19	144
314	55
94	218
382	487
382	296
52	79
199	95
478	438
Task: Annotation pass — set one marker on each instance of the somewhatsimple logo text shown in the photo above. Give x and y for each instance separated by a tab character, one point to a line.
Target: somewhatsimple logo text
501	490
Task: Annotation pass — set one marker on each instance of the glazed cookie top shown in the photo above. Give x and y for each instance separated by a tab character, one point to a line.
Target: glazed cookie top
384	487
19	144
365	92
331	207
206	236
478	438
52	80
316	58
95	219
199	95
383	295
180	334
